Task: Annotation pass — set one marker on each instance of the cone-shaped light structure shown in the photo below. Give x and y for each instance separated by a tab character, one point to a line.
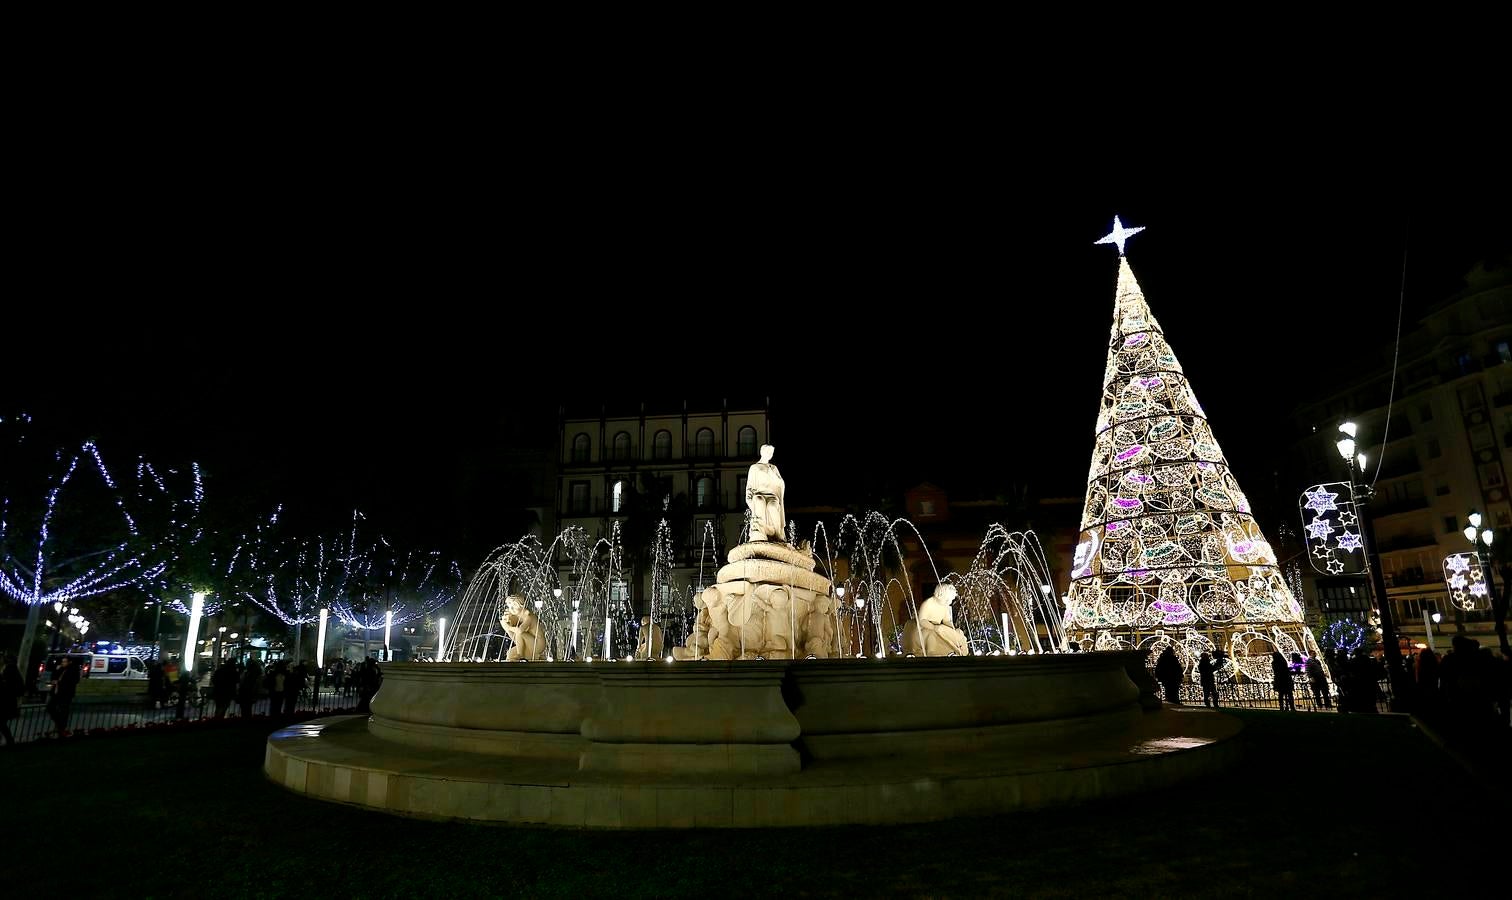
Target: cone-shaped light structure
1169	553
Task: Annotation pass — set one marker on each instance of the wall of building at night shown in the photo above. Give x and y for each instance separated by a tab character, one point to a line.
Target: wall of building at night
1448	450
699	452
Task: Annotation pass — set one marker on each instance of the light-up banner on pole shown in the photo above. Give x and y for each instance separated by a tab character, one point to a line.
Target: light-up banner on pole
1331	529
1466	581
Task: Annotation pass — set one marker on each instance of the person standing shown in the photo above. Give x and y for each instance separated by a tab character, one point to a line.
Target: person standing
1281	679
155	684
1319	681
12	688
293	686
1168	673
1208	675
246	690
370	677
278	681
65	683
223	687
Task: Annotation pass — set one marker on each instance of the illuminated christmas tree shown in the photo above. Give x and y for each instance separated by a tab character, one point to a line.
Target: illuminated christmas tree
1169	553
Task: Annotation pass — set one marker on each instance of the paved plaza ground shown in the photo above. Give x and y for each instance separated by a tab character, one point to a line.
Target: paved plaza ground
1321	803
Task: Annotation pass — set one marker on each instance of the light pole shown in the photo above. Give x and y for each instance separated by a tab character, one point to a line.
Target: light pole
1396	671
1480	539
57	624
1428	622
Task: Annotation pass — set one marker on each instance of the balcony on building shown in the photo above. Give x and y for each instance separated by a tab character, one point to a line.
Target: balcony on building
1414	541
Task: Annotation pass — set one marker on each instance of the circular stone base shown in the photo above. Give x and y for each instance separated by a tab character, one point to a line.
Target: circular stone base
337	759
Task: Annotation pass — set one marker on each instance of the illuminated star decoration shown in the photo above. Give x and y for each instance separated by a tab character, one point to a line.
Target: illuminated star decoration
1320	529
1350	541
1347	518
1335	567
1118	235
1458	563
1321	500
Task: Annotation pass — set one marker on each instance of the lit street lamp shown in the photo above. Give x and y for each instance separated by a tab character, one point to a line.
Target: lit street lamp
1481	539
1396	671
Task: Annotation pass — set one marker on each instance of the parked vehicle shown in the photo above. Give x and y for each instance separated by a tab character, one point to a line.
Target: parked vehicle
116	665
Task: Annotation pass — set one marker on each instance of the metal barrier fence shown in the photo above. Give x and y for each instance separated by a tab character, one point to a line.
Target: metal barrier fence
1262	695
89	715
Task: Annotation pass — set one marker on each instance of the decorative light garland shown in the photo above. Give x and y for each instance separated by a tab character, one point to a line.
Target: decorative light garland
138	559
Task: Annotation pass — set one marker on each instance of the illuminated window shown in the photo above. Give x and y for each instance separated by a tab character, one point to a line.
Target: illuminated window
618	495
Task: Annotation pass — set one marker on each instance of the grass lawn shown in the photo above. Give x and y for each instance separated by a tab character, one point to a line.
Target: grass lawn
1319	804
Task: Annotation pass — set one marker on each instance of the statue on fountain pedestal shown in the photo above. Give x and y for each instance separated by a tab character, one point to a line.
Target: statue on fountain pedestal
933	632
527	641
764	489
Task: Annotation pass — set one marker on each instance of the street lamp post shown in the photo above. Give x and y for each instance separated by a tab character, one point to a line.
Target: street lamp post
1396	670
1480	539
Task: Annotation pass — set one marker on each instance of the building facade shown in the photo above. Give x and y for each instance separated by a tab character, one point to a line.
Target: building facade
1447	450
612	465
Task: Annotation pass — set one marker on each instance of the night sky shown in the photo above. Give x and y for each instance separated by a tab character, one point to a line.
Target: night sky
331	342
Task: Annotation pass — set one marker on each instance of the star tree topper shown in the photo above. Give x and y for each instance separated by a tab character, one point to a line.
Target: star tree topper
1119	234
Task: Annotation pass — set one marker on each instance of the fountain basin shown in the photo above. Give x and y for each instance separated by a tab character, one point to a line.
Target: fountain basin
737	744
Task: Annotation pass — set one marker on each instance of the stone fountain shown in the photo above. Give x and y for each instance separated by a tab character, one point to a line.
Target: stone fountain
759	718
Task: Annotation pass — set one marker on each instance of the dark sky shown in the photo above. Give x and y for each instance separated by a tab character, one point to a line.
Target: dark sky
363	332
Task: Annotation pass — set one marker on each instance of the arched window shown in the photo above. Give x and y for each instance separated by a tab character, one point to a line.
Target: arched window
661	445
622	445
703	444
581	447
705	493
747	441
617	497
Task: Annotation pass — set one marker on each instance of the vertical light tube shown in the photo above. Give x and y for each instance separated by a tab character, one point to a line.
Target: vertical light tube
196	610
441	642
320	640
388	629
1005	632
572	641
608	625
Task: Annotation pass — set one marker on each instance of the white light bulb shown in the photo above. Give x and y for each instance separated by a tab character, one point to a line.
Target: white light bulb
1348	428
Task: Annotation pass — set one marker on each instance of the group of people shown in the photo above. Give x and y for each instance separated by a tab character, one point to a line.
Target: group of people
1469	687
1357	678
288	684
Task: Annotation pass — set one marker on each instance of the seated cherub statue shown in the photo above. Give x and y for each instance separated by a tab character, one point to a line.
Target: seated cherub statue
519	621
933	631
697	645
654	633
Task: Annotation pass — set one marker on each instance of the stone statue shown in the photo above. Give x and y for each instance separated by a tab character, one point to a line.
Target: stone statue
933	632
819	627
527	639
697	646
654	632
764	491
